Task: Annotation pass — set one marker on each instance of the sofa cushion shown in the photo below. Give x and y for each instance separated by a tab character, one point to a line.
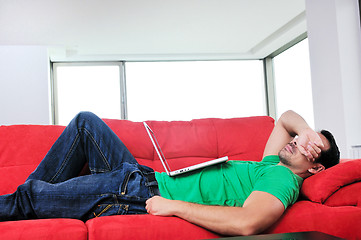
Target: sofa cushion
44	229
22	147
144	227
318	188
348	195
305	216
190	142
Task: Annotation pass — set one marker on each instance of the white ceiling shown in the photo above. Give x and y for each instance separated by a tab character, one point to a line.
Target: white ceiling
152	29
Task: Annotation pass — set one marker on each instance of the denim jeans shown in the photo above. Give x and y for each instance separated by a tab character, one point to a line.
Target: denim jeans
117	184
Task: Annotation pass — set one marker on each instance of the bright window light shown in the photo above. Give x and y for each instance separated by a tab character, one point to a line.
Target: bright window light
87	88
293	82
194	89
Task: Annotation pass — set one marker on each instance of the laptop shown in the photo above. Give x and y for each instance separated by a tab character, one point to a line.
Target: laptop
182	170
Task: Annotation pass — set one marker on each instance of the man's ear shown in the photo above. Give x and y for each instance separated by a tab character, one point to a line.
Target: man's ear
317	167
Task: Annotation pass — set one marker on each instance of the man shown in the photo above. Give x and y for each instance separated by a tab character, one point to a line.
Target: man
261	209
119	185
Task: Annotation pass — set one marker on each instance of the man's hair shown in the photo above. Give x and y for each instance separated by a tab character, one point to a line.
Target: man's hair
331	157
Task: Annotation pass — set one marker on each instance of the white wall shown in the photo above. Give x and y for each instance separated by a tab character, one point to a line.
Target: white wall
24	85
335	55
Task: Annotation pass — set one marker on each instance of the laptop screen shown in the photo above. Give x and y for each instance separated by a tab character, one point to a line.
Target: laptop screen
157	147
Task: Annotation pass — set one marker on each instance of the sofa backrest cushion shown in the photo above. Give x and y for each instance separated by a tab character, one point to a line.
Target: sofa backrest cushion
22	147
185	142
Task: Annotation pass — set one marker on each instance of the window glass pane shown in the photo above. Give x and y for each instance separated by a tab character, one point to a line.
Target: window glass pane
293	82
87	88
194	89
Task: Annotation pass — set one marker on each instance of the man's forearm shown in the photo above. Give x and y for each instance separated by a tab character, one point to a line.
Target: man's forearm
293	123
259	211
220	219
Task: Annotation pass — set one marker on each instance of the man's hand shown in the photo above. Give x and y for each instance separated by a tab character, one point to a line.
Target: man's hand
160	206
309	143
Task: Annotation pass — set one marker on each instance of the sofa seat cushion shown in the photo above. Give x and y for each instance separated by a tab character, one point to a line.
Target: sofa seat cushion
144	227
320	187
43	229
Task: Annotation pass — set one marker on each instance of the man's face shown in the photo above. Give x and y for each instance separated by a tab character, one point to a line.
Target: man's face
291	156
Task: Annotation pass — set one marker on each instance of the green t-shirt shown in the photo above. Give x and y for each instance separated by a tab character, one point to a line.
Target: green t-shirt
230	183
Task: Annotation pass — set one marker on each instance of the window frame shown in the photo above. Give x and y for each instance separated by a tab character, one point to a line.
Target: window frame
268	65
268	70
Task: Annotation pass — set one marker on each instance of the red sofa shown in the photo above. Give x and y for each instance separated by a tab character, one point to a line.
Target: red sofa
330	201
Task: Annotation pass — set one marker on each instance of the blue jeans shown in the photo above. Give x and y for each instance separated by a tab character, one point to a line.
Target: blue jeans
117	183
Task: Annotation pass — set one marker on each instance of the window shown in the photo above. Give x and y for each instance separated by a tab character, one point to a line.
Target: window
194	89
86	87
293	88
160	90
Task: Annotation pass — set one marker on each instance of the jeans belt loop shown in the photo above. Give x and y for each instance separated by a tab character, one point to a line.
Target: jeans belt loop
152	183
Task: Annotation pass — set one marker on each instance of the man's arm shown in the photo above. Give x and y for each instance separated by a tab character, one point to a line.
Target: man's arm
289	125
259	212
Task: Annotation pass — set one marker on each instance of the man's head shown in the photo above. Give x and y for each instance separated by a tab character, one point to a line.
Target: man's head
330	157
291	156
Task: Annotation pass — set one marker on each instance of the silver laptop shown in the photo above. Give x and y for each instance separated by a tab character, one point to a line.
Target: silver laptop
183	170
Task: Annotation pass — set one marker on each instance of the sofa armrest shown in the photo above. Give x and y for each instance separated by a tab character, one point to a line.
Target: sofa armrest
320	187
305	216
346	196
